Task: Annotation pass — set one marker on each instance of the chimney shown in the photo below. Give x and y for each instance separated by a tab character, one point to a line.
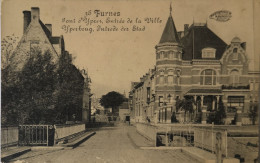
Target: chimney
35	14
186	27
26	20
49	26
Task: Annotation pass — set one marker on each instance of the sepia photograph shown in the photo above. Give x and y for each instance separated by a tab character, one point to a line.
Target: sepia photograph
140	81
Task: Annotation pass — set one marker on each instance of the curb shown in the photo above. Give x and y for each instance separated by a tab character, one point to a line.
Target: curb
46	148
13	155
162	148
78	142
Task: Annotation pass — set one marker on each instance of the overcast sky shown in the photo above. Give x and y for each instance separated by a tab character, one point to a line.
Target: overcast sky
114	59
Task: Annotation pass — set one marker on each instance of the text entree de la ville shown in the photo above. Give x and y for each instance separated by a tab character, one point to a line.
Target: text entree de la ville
97	20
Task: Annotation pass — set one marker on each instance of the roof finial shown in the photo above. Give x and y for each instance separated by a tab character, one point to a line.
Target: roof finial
170	8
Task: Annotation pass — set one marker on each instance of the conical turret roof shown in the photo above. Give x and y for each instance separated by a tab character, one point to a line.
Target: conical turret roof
170	33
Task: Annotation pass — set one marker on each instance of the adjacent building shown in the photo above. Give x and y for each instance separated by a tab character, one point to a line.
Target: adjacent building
86	106
36	34
39	36
196	64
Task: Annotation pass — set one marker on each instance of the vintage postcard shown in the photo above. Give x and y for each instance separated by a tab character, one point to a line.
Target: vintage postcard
130	81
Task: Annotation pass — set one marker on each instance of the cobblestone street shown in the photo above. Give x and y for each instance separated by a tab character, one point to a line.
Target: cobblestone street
110	144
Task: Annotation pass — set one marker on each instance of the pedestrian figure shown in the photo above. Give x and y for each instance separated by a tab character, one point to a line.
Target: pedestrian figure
148	120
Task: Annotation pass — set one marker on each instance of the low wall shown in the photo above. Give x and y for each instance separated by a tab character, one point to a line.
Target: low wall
147	130
9	136
245	148
205	138
99	124
67	130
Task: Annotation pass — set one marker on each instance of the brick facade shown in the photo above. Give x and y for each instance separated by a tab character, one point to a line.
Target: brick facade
200	65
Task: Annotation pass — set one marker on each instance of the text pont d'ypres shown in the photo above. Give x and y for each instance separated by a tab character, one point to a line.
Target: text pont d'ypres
106	21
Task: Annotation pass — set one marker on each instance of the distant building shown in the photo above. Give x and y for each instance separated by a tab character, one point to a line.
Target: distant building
196	64
131	99
96	107
123	111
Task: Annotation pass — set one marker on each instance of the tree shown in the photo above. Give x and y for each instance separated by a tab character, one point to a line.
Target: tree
218	116
112	99
253	112
44	91
187	105
69	91
220	113
8	44
9	78
27	94
174	118
178	104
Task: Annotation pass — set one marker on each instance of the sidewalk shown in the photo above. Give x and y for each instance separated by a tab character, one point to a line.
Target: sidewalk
137	139
12	152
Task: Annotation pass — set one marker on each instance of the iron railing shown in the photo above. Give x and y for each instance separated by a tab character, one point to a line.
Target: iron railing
36	135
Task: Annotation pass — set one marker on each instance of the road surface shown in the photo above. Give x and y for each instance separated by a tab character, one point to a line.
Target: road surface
117	144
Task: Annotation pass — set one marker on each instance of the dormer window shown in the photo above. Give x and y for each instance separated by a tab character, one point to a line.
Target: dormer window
235	54
208	53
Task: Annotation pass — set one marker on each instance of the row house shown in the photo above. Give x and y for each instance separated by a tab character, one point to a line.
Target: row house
198	64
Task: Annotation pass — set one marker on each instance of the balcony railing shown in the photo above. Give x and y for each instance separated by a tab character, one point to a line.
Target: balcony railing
236	87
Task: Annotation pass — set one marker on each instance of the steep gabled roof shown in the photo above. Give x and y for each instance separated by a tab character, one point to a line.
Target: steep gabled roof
169	33
53	39
45	29
198	38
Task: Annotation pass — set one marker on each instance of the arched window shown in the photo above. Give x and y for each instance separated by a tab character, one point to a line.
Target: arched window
157	55
170	77
234	77
235	54
161	55
208	77
161	80
178	74
171	55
